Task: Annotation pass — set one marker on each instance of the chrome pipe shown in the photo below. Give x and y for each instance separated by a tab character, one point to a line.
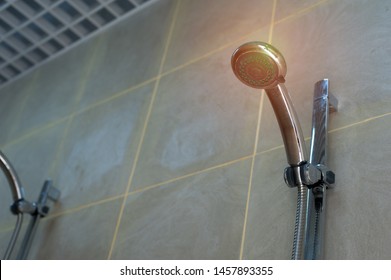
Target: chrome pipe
323	102
17	195
291	132
12	178
20	206
14	236
47	192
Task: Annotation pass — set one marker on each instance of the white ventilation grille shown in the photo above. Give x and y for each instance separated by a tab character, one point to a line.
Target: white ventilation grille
33	31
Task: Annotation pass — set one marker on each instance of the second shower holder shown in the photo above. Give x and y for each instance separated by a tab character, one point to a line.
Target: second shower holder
262	66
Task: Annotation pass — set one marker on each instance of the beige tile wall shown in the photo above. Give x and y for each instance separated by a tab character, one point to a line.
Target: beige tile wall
160	153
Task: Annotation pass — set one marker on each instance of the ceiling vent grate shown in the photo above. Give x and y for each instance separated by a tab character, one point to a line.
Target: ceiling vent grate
34	31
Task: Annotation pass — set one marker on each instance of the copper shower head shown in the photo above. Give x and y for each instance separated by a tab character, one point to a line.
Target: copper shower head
259	65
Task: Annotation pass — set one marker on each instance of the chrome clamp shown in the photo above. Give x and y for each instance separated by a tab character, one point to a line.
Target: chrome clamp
308	174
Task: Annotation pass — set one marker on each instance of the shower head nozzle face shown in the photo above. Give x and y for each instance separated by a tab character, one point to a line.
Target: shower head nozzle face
259	65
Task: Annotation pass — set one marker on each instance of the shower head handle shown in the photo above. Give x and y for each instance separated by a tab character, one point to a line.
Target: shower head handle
288	122
262	66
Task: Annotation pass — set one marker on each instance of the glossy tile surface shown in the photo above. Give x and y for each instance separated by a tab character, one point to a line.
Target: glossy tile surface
348	54
85	234
202	117
200	217
203	26
129	53
272	207
13	101
287	8
56	90
98	152
32	159
359	209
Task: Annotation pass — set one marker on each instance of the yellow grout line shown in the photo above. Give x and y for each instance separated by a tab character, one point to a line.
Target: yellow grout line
22	105
189	175
82	85
359	122
210	53
243	240
149	112
37	130
251	177
70	210
84	206
301	12
116	95
108	199
271	28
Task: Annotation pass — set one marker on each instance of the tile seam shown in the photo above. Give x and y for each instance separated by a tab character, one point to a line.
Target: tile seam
143	133
79	96
31	86
156	185
147	188
69	211
302	12
251	176
334	130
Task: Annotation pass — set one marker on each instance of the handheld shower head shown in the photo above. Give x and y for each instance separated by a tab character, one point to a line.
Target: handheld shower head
259	65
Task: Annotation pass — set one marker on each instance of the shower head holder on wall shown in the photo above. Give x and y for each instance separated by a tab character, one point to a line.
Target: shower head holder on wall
308	174
262	66
20	206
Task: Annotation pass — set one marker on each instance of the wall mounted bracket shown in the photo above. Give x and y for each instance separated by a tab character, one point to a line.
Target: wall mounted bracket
37	210
315	174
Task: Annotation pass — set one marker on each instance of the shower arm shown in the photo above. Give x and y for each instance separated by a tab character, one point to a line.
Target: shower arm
20	205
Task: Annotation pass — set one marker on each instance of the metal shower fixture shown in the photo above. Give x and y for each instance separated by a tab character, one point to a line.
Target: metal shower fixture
34	31
20	206
262	66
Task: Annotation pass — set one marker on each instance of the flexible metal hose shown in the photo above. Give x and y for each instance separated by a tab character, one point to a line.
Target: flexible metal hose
299	237
317	238
14	237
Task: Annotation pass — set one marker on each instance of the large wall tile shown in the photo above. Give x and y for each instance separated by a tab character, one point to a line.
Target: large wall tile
129	53
13	101
271	218
200	217
203	26
99	150
339	41
202	116
57	89
359	209
32	159
285	8
85	234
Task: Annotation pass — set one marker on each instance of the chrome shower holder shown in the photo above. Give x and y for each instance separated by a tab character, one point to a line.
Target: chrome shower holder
315	174
262	66
20	206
